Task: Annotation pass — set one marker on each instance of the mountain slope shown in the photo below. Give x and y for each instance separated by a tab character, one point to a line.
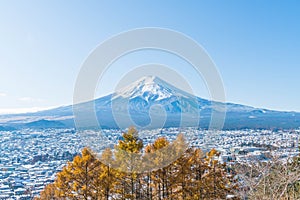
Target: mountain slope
151	96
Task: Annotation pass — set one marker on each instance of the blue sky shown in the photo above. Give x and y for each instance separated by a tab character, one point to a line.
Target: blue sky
254	44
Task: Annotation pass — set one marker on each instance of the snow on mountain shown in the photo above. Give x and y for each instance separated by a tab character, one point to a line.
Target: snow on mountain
150	88
161	98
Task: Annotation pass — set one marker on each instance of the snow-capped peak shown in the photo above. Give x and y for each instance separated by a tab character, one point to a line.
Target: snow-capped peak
149	88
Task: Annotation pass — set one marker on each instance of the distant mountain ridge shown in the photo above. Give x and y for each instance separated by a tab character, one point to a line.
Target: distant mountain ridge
165	102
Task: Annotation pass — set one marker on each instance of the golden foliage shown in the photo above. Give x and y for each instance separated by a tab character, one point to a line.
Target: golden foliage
194	175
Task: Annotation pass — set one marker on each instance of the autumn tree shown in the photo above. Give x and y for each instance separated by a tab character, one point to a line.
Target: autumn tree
128	159
218	182
158	179
48	193
164	170
107	175
77	180
198	169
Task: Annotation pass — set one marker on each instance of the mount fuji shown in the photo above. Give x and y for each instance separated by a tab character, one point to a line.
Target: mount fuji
151	103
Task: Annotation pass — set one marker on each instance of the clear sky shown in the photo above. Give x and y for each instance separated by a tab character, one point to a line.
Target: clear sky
255	45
